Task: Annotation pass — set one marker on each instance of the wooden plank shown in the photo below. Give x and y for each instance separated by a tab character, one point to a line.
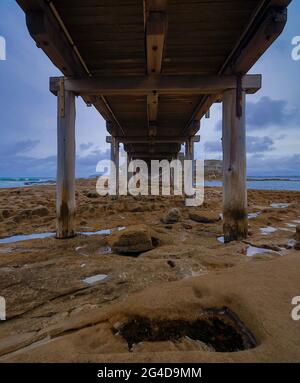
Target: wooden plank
234	168
65	182
156	21
156	28
152	106
142	85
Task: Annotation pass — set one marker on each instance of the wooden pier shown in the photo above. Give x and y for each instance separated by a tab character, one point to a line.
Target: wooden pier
153	69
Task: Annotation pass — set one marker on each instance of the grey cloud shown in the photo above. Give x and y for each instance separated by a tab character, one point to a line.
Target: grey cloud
19	147
254	145
86	146
288	165
213	146
259	144
266	112
13	163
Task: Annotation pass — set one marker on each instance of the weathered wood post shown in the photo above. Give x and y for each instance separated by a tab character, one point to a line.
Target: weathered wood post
65	182
114	156
189	149
234	165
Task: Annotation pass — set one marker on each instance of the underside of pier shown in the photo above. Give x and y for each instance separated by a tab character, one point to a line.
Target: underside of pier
153	69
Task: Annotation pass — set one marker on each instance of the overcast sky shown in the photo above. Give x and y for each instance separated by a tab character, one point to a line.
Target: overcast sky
28	110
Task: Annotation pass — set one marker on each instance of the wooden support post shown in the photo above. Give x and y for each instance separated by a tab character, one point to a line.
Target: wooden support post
114	155
189	149
65	189
234	166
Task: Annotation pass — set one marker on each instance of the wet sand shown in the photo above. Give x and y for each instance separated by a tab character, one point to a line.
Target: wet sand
66	299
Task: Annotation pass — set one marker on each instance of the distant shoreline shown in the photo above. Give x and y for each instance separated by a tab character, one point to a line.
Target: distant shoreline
253	182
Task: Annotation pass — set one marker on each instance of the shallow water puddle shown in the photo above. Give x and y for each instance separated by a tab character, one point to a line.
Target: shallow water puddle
26	237
254	215
267	230
283	205
94	279
221	329
291	243
291	224
102	232
221	239
252	250
105	250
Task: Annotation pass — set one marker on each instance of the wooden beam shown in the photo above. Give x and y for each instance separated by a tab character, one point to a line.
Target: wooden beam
156	22
255	44
147	140
47	33
156	28
65	183
164	84
234	167
255	40
152	106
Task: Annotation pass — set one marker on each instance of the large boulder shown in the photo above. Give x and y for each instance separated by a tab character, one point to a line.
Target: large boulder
134	239
205	217
172	216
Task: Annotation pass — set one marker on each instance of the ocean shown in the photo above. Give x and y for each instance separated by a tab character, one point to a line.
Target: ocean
258	183
14	182
267	183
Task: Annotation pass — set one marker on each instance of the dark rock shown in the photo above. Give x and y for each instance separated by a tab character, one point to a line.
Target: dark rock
134	239
206	217
92	194
171	264
172	216
297	246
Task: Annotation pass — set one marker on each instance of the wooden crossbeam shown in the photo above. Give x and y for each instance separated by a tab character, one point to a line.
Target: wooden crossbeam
156	27
164	84
46	31
152	105
156	21
147	140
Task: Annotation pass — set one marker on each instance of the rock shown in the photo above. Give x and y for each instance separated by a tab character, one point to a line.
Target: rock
5	213
137	207
92	194
297	246
206	217
298	233
172	216
40	211
22	215
171	263
134	239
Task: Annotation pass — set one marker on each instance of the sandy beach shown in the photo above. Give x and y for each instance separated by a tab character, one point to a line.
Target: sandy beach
71	300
